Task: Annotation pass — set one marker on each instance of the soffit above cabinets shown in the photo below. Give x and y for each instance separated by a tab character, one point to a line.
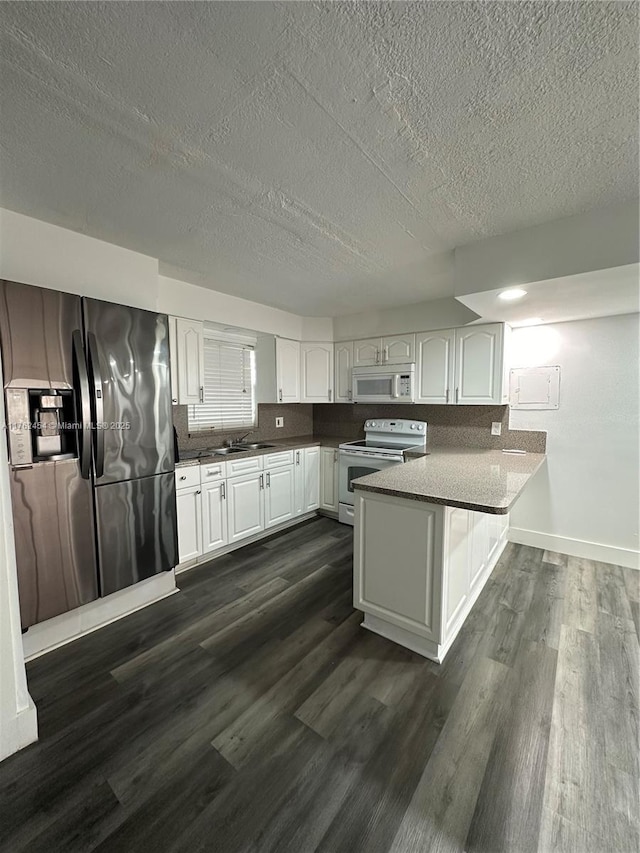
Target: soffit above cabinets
600	293
316	156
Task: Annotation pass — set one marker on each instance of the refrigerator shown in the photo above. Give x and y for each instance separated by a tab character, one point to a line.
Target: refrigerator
90	441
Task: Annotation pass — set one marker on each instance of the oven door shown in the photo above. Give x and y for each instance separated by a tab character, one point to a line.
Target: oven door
353	465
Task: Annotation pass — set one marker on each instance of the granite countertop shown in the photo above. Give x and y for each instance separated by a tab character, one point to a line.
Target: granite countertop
482	480
277	444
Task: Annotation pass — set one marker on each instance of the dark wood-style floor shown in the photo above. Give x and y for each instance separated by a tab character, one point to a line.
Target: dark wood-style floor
250	712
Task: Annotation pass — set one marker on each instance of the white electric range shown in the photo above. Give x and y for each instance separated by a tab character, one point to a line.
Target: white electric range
384	444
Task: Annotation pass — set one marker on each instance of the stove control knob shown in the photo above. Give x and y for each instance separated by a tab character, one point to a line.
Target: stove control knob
413	426
372	423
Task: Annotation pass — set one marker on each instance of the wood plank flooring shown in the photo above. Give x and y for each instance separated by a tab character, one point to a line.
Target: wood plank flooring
252	713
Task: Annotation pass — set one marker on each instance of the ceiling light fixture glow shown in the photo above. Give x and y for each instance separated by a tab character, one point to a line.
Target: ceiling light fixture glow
512	294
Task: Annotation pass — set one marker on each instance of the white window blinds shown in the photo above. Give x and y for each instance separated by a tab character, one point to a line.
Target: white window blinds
229	382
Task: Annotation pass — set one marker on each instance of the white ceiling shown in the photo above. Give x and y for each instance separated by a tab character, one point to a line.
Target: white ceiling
319	157
599	293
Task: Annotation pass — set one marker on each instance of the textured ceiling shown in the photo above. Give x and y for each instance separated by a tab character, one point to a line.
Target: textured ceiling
319	157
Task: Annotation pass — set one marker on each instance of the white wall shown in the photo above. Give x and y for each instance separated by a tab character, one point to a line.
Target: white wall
200	303
596	240
419	317
586	499
35	252
18	721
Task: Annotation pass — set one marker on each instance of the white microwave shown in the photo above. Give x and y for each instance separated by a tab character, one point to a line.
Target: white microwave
393	383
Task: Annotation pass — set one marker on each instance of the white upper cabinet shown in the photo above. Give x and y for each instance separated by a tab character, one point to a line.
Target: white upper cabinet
393	349
465	366
316	368
366	353
435	353
287	370
343	360
187	361
480	365
398	349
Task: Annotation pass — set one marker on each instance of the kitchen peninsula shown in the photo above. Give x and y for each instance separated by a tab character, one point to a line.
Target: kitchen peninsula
447	514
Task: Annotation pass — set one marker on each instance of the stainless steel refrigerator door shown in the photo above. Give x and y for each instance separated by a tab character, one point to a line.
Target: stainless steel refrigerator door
36	328
128	351
137	530
54	534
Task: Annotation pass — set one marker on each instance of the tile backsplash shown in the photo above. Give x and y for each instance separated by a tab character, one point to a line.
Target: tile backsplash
447	426
298	420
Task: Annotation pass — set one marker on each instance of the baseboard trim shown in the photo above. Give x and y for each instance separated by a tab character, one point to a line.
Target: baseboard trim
19	731
576	547
47	636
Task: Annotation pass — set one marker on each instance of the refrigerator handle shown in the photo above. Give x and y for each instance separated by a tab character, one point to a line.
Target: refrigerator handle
84	404
98	410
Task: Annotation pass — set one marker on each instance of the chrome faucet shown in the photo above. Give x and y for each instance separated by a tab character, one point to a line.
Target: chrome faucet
231	441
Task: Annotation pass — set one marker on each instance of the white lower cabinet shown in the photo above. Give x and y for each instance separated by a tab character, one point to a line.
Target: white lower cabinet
329	479
278	496
222	503
422	600
214	516
245	505
189	513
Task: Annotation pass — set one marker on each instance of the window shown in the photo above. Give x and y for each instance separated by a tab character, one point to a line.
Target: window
229	386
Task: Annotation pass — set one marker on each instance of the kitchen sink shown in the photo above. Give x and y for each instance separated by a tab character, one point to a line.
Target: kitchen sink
224	451
257	446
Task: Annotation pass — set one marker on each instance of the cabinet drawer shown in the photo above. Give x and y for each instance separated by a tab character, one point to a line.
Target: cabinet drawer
187	477
244	466
278	460
213	471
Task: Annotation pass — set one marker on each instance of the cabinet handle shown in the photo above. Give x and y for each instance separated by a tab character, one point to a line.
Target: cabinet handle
214	472
174	400
199	492
297	457
457	395
335	455
280	395
183	477
377	356
262	481
329	394
446	399
349	394
202	393
268	481
385	356
223	491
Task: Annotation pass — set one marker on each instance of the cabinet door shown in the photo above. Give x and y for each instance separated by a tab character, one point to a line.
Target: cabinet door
190	352
480	548
214	516
366	352
311	478
288	370
299	496
316	373
173	360
188	508
278	496
456	549
479	358
245	506
435	366
343	361
398	349
329	479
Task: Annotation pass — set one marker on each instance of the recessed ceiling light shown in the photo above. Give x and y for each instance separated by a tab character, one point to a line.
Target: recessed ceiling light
530	321
512	293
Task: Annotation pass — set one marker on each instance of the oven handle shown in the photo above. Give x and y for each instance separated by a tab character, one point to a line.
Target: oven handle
396	386
359	455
